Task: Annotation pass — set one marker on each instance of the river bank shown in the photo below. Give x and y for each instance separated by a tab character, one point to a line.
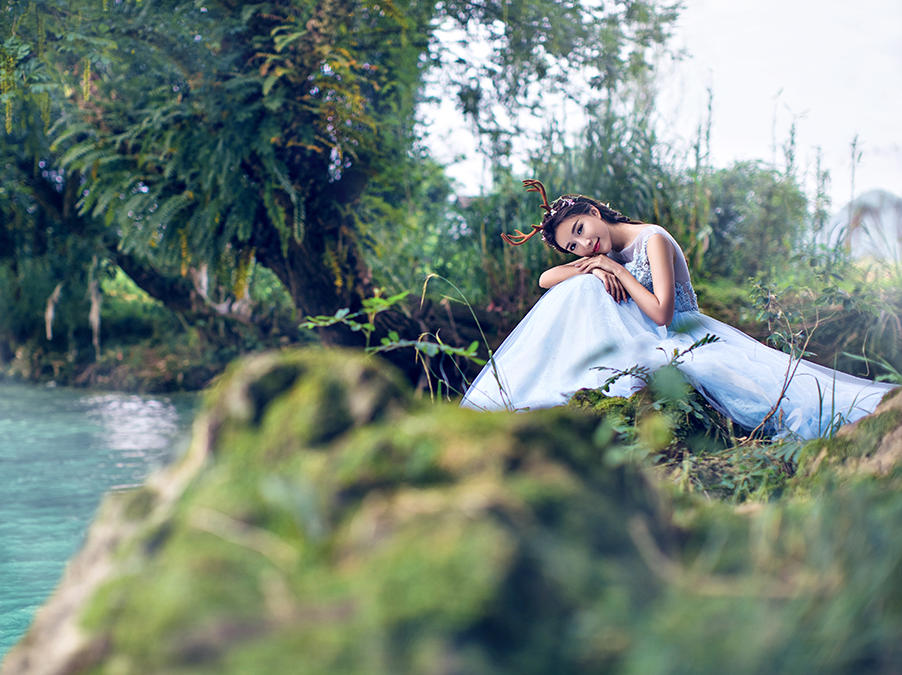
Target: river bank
146	349
145	367
144	346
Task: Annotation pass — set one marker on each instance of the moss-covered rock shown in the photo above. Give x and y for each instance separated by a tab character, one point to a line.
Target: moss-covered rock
872	446
323	521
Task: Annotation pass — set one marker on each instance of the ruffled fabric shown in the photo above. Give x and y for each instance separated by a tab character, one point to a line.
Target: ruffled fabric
576	336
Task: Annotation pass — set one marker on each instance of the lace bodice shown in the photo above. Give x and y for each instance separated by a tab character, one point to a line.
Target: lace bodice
635	259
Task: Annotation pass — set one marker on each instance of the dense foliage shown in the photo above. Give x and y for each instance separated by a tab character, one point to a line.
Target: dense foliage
199	139
757	220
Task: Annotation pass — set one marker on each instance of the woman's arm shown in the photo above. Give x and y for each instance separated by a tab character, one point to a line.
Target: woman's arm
555	275
657	306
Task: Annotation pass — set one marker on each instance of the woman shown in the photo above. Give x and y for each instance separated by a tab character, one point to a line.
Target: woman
628	301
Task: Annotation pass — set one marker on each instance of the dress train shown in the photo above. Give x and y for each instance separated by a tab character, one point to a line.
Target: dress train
576	333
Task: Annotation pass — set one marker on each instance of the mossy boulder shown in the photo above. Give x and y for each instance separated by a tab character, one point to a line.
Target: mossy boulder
872	446
324	521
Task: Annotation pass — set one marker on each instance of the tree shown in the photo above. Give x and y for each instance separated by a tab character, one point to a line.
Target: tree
50	257
212	135
756	218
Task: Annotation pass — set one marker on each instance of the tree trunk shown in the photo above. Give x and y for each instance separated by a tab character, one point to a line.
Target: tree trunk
319	288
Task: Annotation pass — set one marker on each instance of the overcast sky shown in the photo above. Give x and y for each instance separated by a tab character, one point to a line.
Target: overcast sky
835	66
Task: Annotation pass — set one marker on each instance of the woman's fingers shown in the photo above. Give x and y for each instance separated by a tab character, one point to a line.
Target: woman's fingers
609	285
612	284
588	264
615	288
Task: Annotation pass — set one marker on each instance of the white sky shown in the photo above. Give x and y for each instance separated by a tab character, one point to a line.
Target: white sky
833	65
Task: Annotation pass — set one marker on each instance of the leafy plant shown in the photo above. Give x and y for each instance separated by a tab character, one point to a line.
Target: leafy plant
667	414
371	307
644	373
427	347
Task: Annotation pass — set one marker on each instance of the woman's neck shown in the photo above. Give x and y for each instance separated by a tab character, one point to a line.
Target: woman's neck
624	234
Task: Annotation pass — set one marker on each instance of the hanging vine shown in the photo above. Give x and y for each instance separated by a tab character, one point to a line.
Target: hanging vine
86	79
40	30
242	272
185	254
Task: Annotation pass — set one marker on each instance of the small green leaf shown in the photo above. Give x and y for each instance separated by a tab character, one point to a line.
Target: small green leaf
269	82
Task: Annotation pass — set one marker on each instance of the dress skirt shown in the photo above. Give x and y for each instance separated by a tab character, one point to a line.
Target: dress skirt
576	336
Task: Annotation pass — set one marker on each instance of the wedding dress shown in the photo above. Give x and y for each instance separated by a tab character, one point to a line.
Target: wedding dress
577	336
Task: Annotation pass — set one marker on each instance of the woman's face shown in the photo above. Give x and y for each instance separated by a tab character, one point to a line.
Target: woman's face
584	235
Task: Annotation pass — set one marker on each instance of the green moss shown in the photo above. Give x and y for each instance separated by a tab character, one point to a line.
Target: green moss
861	441
387	526
601	404
139	503
416	538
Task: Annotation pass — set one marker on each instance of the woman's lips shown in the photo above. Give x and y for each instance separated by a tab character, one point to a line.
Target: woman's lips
597	244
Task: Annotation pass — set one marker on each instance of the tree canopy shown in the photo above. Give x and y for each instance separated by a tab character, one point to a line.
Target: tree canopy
186	141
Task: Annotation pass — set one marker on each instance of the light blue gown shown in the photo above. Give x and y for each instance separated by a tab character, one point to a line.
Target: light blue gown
576	333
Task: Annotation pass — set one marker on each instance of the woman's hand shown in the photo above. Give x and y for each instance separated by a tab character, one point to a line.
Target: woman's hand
603	268
612	283
595	262
599	265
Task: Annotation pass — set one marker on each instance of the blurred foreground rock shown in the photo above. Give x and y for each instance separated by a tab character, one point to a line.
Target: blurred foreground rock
324	522
870	446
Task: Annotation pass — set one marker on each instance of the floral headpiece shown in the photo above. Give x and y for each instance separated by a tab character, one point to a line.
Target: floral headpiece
533	185
564	203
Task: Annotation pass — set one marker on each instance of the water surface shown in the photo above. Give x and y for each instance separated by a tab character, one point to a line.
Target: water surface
60	451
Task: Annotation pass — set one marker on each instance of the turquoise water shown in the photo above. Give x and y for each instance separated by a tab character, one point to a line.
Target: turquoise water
60	451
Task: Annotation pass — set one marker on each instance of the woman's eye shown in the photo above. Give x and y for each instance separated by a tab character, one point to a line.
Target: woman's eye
579	230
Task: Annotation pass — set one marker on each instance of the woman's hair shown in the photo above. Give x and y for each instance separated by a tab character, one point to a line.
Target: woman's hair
563	207
575	205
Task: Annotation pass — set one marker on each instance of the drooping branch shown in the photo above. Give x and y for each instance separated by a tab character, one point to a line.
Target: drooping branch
177	293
